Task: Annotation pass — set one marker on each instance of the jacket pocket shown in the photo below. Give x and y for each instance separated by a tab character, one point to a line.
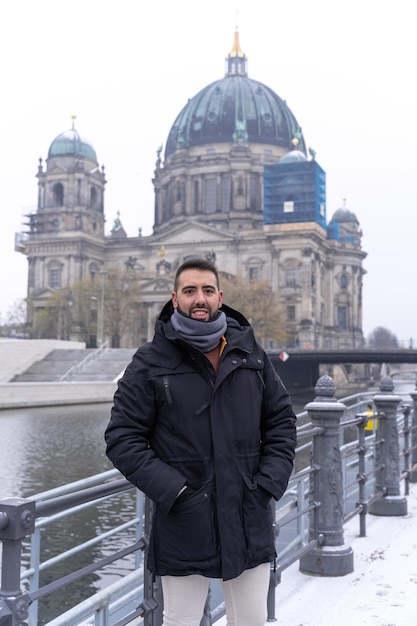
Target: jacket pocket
257	516
187	533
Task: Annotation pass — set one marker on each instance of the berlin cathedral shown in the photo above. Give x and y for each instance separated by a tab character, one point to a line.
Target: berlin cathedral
235	184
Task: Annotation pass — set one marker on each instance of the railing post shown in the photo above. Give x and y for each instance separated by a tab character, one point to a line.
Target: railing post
17	519
331	557
387	454
152	593
413	428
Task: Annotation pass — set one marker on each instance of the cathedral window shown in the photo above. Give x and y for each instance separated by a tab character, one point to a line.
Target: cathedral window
291	313
291	277
343	281
253	191
55	278
240	188
342	317
58	194
254	268
225	194
93	198
210	192
196	196
254	273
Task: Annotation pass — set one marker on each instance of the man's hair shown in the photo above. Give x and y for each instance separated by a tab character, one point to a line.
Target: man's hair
196	264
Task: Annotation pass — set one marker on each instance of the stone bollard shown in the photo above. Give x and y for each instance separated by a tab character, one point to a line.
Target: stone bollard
332	557
413	460
387	454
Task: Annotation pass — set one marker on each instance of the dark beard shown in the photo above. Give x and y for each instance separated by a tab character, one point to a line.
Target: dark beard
210	318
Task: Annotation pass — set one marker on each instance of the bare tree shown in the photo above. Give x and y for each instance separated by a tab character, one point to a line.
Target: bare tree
16	319
106	306
382	338
85	302
53	321
259	304
122	297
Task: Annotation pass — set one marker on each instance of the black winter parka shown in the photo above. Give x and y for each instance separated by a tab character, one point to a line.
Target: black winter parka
230	437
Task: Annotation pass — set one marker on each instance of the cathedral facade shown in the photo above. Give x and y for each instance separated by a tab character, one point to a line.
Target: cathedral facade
235	185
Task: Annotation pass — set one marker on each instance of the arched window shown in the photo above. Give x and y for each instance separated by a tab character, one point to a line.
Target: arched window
93	198
58	194
225	193
210	195
291	276
253	192
254	268
54	276
342	317
343	281
196	196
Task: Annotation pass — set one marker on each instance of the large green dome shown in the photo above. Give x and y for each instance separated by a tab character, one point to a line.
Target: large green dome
69	143
234	109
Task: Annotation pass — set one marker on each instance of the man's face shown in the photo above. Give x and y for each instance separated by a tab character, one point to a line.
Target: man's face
197	295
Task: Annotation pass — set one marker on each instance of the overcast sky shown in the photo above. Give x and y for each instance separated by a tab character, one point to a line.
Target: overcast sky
126	69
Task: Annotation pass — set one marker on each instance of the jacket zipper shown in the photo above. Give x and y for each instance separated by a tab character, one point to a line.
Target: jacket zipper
167	390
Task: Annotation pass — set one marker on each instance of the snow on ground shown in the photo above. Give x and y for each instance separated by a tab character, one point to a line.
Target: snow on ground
382	589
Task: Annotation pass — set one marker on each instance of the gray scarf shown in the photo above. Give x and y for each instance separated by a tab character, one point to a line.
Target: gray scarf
204	336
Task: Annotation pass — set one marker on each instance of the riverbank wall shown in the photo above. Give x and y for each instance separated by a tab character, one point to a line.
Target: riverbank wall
24	395
17	355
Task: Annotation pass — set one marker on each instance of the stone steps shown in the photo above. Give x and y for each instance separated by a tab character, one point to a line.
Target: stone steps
71	365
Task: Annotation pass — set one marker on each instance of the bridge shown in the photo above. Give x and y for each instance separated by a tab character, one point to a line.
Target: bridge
301	368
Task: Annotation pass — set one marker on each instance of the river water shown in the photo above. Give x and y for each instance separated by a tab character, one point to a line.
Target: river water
42	448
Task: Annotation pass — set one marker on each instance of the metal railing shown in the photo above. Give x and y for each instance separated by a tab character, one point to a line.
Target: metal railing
341	471
79	367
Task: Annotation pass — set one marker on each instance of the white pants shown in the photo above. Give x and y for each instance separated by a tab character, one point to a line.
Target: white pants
245	598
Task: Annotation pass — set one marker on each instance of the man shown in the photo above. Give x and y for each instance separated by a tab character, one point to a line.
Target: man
202	424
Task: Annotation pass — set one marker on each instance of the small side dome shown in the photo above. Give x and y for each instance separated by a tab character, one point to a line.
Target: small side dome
69	143
344	215
294	156
344	227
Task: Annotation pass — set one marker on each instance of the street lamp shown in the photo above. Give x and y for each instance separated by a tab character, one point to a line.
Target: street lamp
68	317
100	316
